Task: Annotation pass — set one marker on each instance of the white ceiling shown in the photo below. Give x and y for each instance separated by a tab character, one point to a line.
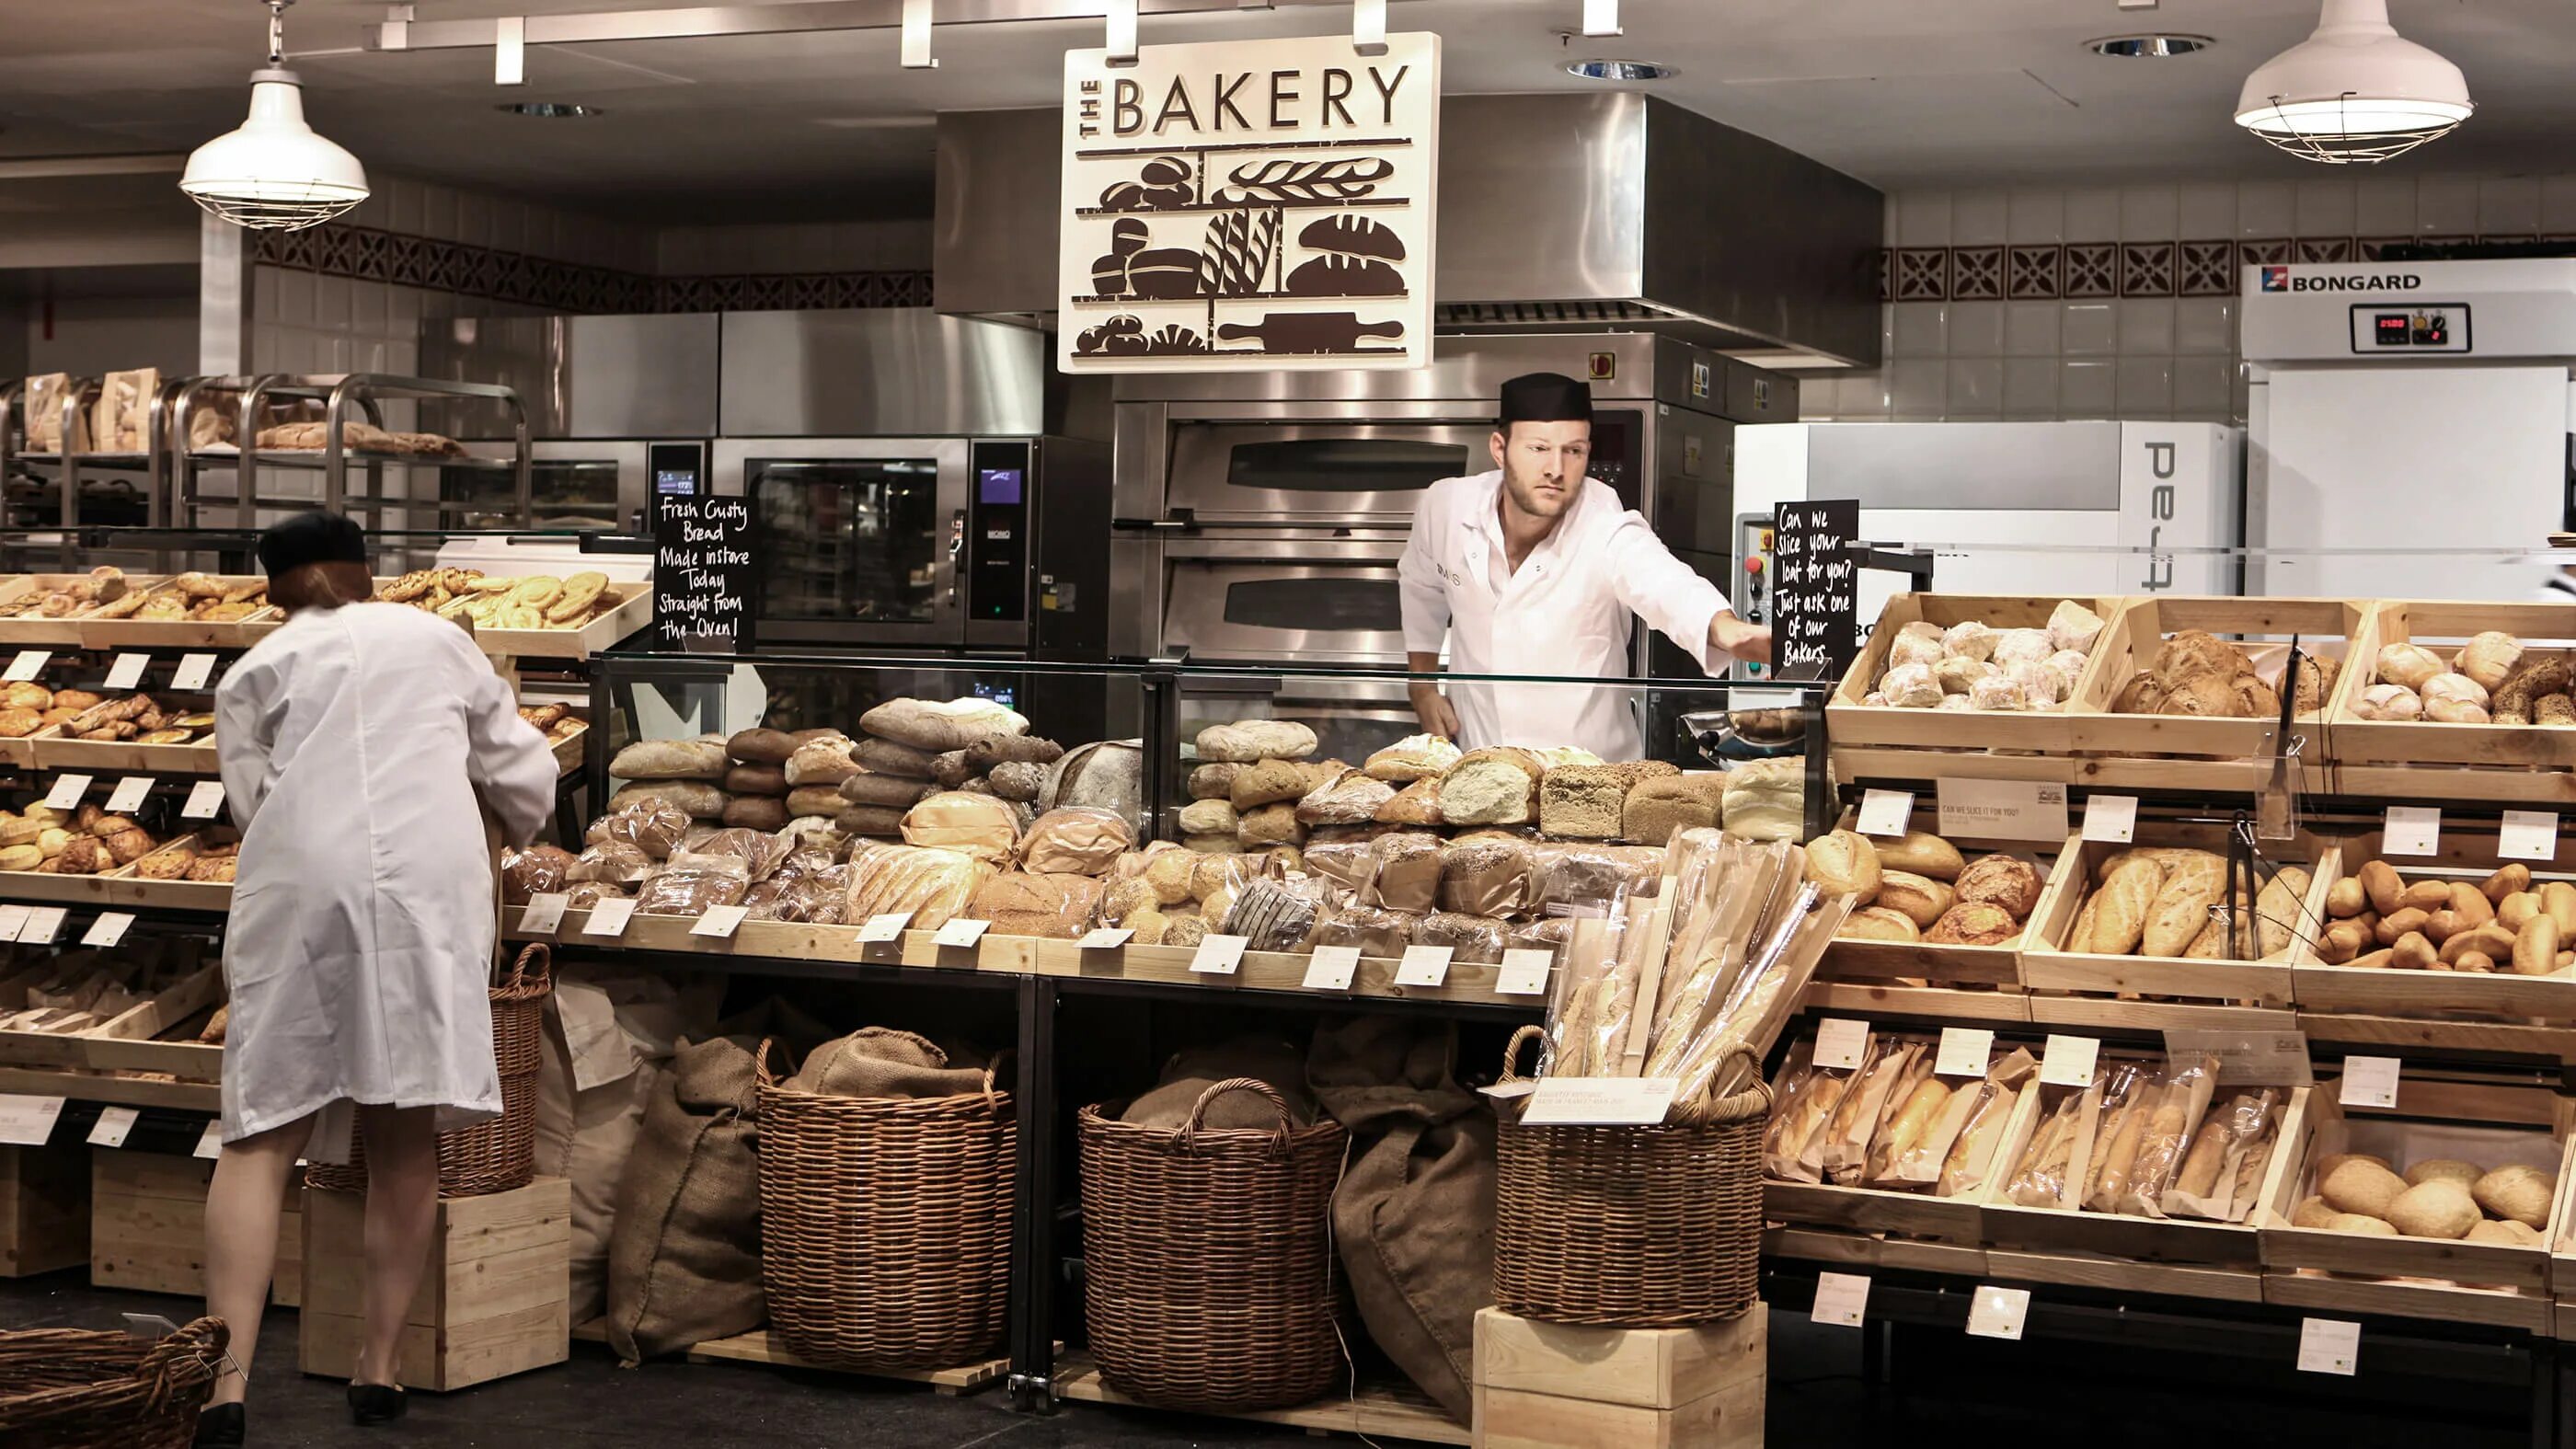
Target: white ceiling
1900	93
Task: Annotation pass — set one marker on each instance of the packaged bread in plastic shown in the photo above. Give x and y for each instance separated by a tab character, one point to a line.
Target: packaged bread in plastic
2222	1169
1075	840
701	800
1276	915
536	871
692	885
649	825
982	826
1349	864
1802	1097
1018	903
2128	1106
1486	878
934	885
1370	930
1919	1152
1472	940
2179	1105
1844	1153
2048	1172
1567	875
1976	1153
760	851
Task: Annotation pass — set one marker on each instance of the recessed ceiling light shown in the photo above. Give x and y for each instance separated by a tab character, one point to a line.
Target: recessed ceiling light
2149	47
1618	70
547	110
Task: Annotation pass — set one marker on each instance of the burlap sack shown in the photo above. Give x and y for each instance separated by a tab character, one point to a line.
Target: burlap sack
1190	1073
684	1259
877	1061
1414	1215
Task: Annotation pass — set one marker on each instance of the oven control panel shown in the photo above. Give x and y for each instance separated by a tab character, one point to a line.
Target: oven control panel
993	555
2382	329
1752	601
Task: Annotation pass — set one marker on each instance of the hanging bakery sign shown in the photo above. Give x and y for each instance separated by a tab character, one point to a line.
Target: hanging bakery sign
1252	205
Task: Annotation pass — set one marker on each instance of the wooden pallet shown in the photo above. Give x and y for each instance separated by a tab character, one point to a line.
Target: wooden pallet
762	1346
1375	1410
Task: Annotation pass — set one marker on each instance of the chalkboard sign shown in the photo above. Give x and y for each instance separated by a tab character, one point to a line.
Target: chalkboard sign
702	579
1815	588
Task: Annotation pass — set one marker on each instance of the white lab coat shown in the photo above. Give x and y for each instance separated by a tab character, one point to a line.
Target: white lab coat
1565	612
359	953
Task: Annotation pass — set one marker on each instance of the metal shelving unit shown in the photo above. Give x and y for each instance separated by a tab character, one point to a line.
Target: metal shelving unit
356	396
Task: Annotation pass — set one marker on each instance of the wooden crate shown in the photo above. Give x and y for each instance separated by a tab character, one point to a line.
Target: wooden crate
51	749
1848	959
147	1019
2562	1253
494	1302
2520	764
17	592
148	1224
2460	1010
44	1209
2262	986
1556	1386
98	633
1850	722
2263	629
1912	1213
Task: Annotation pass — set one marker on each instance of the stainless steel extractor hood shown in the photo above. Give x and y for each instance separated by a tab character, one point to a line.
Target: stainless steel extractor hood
1572	212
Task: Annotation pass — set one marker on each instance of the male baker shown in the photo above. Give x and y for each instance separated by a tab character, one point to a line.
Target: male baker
1536	569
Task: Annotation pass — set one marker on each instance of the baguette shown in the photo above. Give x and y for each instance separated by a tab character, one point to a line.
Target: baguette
2122	1133
2127	897
2181	909
1907	1127
2199	1175
2040	1180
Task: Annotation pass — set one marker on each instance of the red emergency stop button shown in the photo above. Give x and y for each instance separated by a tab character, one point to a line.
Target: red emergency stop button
1753	563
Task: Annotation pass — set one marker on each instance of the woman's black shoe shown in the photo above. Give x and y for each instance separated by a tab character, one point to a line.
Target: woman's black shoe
220	1427
375	1403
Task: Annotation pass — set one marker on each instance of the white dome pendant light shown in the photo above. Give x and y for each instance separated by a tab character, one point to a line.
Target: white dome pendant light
274	173
2355	91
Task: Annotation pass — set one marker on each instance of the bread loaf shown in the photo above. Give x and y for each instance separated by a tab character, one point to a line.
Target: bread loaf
2002	880
1214	781
1053	906
992	750
757	747
1273	824
2121	906
1351	798
1844	863
1973	923
936	726
1920	853
1485	878
821	762
887	757
1075	841
980	826
1588	802
756	812
696	797
2181	908
1492	787
1208	817
1415	757
1408	874
1265	781
1658	808
889	790
698	759
1258	739
1918	898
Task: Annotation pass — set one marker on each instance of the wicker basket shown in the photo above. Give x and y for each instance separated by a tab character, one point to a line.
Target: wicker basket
1208	1258
885	1224
499	1155
1630	1227
70	1388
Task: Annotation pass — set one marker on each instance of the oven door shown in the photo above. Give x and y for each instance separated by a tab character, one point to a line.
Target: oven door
858	538
570	485
1284	601
1320	472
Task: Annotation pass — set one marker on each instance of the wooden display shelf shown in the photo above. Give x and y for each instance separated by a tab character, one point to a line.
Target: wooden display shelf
1848	721
2530	762
2097	1013
1872	1210
1850	959
44	1209
634	610
2504	786
2402	1035
2220	1282
1377	1410
97	633
120	1091
24	589
119	887
763	1346
1866	1250
1270	971
2262	627
1874	1001
50	749
2047	967
137	1024
1853	764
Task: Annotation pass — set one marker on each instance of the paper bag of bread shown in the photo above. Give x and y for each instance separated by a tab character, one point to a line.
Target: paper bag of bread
2051	1163
1760	1001
1911	1103
1975	1154
1801	1098
2127	1107
1855	1123
1918	1162
2178	1108
2223	1168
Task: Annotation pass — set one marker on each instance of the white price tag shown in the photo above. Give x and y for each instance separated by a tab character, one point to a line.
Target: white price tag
1524	973
2247	1058
1998	1312
1601	1101
2412	830
962	932
108	929
2329	1346
1105	938
193	672
884	926
1219	955
1842	1299
544	913
1840	1041
127	671
44	923
720	921
2003	809
1965	1051
609	917
2068	1061
67	791
28	664
1885	812
129	794
114	1125
2112	819
2526	835
1332	968
28	1121
2369	1082
13	919
203	801
1424	965
210	1143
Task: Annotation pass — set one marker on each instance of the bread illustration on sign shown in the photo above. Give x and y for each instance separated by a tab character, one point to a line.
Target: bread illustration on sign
1123	335
1336	178
1970	665
1310	333
1160	184
1133	268
1357	259
1236	256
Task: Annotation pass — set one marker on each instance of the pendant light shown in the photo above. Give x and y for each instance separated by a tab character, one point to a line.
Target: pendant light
274	173
2355	91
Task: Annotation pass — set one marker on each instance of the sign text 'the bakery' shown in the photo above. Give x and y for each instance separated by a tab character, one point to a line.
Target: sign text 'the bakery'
1283	99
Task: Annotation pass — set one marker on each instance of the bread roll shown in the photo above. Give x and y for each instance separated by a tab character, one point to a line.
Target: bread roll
1922	854
2003	880
1879	923
1844	862
1973	923
2444	1169
2517	1192
2437	1209
2360	1186
2362	1223
1919	899
2312	1212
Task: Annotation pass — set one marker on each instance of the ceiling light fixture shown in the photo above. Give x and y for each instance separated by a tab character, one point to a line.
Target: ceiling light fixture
274	173
2149	47
2353	92
548	110
1619	70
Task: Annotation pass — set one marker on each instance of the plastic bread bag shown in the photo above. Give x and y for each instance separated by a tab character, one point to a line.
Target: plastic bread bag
1570	874
933	884
1760	1000
2179	1108
1918	1161
1916	1098
1057	906
1350	864
612	862
1715	898
2127	1108
2047	1165
1374	932
649	824
535	871
1576	1000
1549	935
1472	940
1274	915
1854	1124
1792	1091
2223	1168
692	885
1975	1154
758	850
1489	877
1408	873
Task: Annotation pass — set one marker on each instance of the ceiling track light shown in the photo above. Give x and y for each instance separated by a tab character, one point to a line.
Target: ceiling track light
273	173
916	36
1601	17
2355	92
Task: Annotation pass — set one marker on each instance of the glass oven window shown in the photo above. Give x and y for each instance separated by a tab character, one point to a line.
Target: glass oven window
850	540
1334	605
566	493
1343	465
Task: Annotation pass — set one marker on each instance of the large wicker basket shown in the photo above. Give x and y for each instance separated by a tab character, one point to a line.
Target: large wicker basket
1207	1257
70	1388
1630	1227
885	1224
499	1155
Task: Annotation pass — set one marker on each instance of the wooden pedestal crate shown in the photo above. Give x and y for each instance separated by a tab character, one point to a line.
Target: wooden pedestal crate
494	1302
44	1210
148	1225
1555	1386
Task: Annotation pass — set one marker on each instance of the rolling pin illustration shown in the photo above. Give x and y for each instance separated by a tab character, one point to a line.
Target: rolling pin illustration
1308	332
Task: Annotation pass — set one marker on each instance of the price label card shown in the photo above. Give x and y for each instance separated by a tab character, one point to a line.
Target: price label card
2003	809
2329	1346
1105	938
2412	830
67	791
1840	1041
2111	818
28	664
210	1143
609	917
13	919
1886	812
2068	1061
28	1121
1965	1051
2369	1082
885	926
1601	1101
720	921
127	671
203	801
194	671
44	923
129	794
962	932
1842	1299
2247	1058
1524	973
108	929
1219	955
114	1125
1332	968
544	913
1424	965
2527	835
1998	1312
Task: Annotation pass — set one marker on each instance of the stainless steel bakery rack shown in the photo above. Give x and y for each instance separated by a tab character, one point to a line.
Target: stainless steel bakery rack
345	397
73	486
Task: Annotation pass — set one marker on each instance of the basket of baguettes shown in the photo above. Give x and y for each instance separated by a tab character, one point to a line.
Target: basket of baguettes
1657	1224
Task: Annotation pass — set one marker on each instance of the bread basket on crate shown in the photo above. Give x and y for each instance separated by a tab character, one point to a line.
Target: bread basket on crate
499	1155
1630	1227
70	1388
1208	1279
885	1223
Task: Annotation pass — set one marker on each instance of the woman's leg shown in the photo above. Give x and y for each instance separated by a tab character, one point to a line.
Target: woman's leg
402	1210
243	1208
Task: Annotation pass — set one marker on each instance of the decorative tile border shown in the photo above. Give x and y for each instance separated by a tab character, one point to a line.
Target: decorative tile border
368	254
2082	271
